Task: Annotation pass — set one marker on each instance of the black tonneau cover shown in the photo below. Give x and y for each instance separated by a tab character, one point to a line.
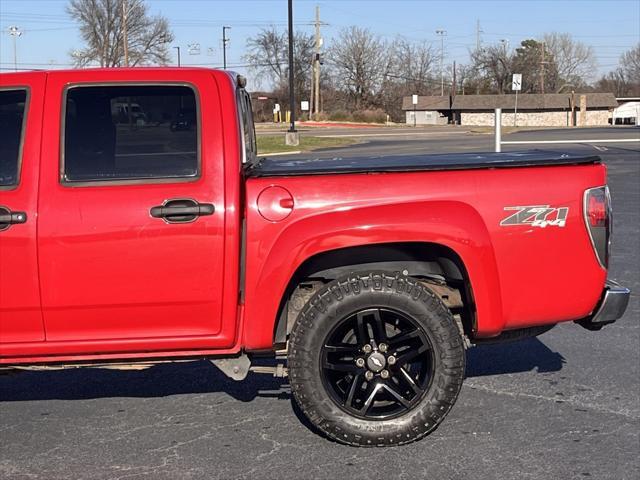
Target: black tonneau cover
267	167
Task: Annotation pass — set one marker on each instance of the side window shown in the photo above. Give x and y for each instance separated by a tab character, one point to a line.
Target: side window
130	133
12	115
248	128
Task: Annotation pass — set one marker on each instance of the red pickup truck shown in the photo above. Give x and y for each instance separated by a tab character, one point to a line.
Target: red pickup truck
137	224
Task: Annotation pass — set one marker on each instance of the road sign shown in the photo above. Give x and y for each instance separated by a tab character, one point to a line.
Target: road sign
276	107
516	83
414	99
304	105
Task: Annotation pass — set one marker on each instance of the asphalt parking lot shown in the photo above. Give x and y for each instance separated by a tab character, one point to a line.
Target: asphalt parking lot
564	405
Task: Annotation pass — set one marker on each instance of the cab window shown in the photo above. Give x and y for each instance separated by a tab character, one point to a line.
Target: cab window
12	124
130	133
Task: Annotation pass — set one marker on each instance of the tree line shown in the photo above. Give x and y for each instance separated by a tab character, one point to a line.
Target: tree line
364	72
363	75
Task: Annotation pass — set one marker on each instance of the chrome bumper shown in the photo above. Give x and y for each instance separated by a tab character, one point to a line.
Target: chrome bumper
611	307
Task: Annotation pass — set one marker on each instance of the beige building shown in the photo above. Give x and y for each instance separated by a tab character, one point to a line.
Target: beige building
534	110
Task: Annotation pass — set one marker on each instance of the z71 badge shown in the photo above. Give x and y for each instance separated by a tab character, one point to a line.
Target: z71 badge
537	216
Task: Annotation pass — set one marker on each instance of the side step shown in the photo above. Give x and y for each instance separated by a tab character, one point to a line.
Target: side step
236	368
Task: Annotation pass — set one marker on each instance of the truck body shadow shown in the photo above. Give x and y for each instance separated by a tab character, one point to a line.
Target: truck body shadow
202	377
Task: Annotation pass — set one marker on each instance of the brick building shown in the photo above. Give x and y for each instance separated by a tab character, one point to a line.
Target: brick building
534	110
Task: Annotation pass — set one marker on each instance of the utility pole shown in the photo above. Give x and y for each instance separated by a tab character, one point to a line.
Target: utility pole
125	39
542	63
442	34
316	66
15	32
311	95
478	43
478	32
225	40
178	49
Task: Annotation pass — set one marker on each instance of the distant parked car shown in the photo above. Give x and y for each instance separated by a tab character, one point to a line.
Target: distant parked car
120	112
186	120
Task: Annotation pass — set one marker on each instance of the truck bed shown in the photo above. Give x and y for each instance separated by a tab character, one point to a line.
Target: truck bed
267	167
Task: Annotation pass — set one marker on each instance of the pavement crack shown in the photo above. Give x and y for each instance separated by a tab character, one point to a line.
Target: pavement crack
566	400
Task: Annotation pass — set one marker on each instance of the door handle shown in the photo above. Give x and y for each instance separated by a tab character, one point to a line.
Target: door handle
181	210
8	218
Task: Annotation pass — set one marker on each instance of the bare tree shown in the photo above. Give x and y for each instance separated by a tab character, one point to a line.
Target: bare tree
268	56
494	63
414	65
470	81
624	80
361	64
575	61
102	28
630	65
407	68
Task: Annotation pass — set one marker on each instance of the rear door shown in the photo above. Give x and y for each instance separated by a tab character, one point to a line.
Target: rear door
132	214
21	99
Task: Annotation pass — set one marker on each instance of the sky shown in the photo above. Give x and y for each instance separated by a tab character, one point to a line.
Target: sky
610	26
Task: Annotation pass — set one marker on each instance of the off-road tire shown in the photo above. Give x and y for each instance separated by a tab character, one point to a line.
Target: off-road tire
363	290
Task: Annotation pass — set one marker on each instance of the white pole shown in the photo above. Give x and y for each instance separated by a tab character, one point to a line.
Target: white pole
498	129
515	113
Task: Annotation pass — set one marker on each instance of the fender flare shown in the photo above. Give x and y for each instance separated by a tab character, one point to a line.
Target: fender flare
455	225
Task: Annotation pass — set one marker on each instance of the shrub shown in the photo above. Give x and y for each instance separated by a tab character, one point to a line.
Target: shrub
362	116
340	116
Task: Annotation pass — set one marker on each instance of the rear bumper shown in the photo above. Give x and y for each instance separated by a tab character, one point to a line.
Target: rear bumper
611	307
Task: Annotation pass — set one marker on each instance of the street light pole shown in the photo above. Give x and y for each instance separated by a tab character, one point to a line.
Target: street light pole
225	40
178	49
292	97
291	137
15	33
505	46
442	34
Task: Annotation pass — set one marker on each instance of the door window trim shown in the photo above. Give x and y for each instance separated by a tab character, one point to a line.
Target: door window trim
23	131
133	181
245	112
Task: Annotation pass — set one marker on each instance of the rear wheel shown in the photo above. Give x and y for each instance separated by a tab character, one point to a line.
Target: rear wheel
375	359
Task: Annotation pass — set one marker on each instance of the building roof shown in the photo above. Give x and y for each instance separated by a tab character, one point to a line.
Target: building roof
526	101
427	103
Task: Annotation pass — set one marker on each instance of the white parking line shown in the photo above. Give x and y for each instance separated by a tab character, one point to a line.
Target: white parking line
279	154
407	134
608	140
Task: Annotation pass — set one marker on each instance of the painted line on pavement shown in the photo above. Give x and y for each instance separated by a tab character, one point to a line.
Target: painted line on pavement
408	134
608	140
279	154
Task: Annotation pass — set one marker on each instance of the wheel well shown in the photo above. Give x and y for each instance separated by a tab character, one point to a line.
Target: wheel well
429	261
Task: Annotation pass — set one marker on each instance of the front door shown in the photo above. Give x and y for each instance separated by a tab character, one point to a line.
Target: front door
132	214
20	127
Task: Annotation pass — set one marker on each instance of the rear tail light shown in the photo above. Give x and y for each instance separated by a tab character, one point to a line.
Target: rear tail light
597	216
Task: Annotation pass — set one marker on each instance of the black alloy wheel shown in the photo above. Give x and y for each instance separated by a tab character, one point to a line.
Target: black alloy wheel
377	363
